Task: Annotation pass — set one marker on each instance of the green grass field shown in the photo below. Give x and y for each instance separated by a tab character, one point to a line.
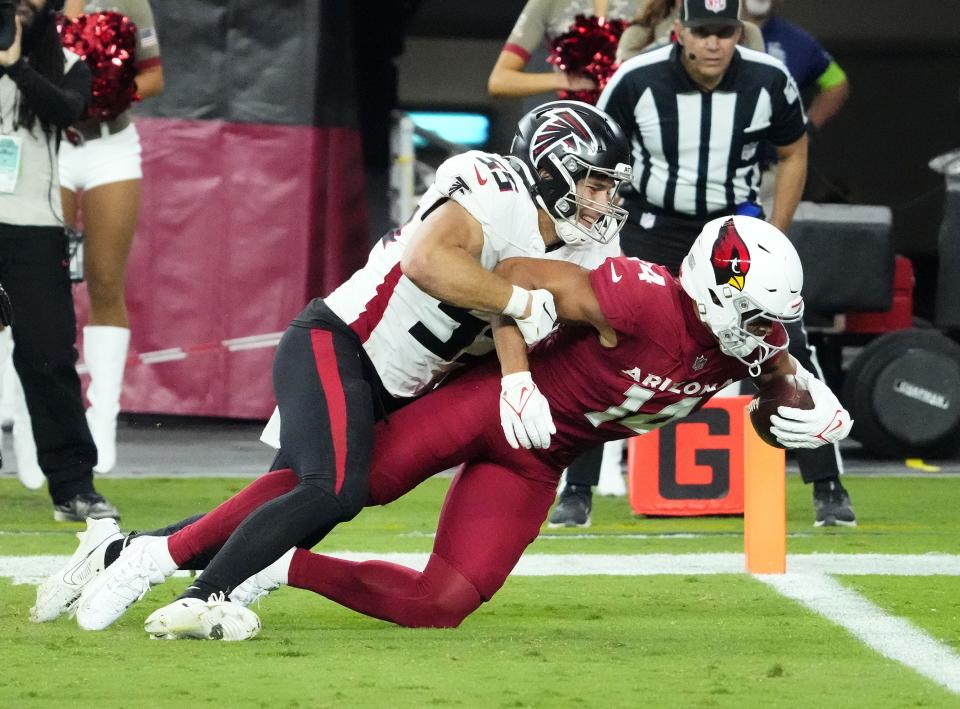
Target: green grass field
664	640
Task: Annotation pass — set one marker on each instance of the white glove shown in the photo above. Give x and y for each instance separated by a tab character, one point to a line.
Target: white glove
543	317
524	412
827	422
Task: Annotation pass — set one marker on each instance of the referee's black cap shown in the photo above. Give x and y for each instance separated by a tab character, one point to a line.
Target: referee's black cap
714	13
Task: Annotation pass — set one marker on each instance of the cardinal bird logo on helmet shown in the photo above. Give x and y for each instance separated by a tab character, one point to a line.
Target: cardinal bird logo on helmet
730	258
563	127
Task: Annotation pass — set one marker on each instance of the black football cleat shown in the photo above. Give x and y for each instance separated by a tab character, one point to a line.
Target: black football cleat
86	504
573	509
832	508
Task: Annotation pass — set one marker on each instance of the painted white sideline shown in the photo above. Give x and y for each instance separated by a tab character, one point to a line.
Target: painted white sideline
892	637
33	569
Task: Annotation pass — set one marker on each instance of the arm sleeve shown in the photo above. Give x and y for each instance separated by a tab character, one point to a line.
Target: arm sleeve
60	106
530	29
788	122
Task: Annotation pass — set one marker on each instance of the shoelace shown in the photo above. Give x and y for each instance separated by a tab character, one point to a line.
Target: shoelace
252	591
138	581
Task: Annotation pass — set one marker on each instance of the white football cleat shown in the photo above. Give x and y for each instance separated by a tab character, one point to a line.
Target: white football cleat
59	593
213	619
263	582
145	562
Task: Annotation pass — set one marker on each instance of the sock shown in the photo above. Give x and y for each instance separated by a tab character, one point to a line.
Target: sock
115	547
440	597
200	589
113	551
213	529
827	485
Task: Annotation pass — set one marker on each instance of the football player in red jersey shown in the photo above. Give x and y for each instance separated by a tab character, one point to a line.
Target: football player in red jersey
657	349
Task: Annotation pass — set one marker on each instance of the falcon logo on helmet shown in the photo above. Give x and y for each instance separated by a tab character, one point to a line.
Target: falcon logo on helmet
730	257
563	127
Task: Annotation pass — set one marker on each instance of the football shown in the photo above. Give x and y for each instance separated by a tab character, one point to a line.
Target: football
779	390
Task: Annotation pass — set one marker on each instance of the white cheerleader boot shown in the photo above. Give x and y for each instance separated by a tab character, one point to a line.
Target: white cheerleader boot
24	447
6	400
105	353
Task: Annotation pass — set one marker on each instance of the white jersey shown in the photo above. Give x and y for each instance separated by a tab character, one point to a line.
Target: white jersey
411	337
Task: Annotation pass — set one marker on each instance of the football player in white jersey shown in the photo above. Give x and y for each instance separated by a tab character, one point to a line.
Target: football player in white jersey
422	304
418	308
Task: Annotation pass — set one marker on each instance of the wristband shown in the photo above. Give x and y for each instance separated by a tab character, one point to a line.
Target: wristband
517	304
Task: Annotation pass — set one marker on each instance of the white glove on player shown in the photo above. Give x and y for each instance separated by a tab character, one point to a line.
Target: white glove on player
524	412
543	317
827	422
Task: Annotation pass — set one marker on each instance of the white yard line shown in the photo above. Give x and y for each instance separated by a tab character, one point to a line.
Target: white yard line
807	581
33	569
892	637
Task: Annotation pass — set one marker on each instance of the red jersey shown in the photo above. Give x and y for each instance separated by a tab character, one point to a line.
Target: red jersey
665	365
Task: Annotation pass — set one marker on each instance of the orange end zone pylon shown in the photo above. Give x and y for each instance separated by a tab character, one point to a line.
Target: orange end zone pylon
764	504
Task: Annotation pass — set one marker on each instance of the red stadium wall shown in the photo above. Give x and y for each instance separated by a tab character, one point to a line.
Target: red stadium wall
252	201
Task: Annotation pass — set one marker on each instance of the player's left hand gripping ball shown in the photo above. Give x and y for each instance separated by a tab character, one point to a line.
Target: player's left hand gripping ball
827	422
524	412
542	318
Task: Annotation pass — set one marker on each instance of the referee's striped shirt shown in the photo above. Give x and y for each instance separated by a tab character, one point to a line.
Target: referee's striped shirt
695	151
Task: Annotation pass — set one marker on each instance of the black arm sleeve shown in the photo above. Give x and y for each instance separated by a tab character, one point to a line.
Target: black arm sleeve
60	106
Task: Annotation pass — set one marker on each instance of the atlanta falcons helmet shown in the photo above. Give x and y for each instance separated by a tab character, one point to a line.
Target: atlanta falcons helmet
742	270
557	145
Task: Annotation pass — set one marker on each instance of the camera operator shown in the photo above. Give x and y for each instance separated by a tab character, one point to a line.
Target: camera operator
44	88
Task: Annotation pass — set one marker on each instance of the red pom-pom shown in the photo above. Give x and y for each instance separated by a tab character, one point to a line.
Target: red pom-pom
588	49
107	42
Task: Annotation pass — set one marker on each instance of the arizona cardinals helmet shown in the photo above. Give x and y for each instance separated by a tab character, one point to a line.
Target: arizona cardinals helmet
742	270
557	145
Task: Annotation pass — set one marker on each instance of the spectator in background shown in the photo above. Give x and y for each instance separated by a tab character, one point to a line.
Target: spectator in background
104	170
823	84
544	21
812	66
653	27
44	89
696	112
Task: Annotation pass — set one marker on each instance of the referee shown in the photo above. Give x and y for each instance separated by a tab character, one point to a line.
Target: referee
696	112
